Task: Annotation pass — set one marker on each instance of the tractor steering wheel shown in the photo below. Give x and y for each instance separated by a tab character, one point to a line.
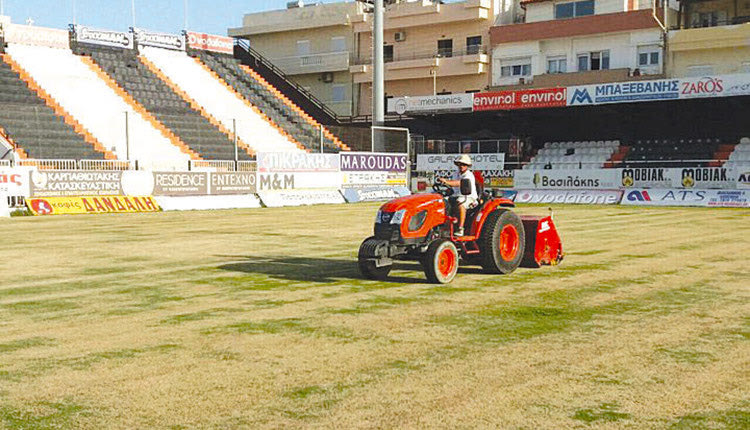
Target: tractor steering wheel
443	189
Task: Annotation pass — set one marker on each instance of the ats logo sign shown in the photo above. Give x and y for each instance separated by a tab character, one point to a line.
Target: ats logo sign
639	196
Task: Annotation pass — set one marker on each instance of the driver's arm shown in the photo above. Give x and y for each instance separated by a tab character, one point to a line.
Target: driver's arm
450	182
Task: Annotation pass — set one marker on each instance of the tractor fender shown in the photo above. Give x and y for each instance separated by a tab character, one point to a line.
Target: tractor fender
488	208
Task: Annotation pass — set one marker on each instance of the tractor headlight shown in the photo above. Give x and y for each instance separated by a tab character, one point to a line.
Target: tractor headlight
398	217
379	217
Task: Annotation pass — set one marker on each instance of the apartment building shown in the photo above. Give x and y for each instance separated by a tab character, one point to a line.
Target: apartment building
546	43
313	44
431	47
711	38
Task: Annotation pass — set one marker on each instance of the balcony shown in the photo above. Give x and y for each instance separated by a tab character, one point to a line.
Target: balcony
314	63
428	13
420	64
552	80
724	34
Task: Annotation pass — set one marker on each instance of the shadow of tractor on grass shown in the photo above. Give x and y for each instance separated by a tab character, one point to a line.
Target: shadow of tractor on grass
321	270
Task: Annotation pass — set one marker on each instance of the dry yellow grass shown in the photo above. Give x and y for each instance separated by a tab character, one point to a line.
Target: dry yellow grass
248	319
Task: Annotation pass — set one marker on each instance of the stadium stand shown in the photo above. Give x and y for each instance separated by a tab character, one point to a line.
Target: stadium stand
689	152
37	128
270	101
170	109
82	92
221	101
574	155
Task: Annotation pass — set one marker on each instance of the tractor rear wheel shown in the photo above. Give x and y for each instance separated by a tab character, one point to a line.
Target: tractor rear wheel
441	262
501	242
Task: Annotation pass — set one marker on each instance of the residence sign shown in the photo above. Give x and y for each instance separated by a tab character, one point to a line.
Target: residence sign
581	95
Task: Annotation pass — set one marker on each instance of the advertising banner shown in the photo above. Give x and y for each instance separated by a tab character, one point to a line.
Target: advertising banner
279	171
656	177
91	205
37	36
361	169
683	197
568	179
224	183
662	89
61	183
175	42
377	194
14	181
180	183
444	162
583	197
520	99
702	178
743	179
300	198
191	203
93	36
499	178
210	42
426	104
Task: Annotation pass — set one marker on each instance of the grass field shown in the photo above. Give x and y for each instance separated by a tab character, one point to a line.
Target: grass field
258	318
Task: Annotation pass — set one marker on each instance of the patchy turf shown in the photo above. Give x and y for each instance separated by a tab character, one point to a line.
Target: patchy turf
259	319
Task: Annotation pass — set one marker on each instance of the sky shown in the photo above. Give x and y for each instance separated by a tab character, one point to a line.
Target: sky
209	16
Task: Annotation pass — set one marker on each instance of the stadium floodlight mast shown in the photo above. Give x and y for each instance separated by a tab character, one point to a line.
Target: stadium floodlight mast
378	68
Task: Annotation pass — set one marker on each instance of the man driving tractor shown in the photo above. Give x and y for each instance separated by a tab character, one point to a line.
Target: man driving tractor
463	201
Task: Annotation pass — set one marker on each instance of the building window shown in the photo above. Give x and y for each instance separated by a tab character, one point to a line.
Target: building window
303	47
708	19
515	68
338	44
574	9
597	60
473	45
445	48
700	71
338	93
648	56
388	53
557	65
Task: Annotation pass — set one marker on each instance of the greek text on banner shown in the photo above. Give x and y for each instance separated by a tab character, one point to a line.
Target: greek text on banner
91	205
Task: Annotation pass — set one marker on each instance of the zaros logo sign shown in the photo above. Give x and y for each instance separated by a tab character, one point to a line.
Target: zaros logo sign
705	86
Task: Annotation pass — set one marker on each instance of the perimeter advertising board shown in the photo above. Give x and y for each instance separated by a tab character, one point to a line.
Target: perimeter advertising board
568	179
174	42
373	176
583	197
280	171
38	36
210	42
702	178
520	99
95	36
445	162
62	183
14	181
428	104
300	197
656	177
683	197
743	179
92	205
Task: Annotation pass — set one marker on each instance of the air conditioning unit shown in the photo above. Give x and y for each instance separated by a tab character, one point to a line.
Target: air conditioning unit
327	77
400	36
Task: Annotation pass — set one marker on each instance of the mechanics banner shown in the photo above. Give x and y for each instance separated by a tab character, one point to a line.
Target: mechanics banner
520	99
656	177
426	104
374	194
300	197
210	42
118	39
702	178
683	197
444	162
583	197
92	205
62	183
174	42
366	169
568	179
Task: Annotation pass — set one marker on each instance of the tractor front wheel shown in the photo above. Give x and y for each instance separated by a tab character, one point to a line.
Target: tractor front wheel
501	242
441	262
367	266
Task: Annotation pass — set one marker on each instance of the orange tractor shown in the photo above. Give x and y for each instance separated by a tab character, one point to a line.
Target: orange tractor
421	227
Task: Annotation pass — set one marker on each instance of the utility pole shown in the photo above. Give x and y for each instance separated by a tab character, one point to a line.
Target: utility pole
132	10
378	68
